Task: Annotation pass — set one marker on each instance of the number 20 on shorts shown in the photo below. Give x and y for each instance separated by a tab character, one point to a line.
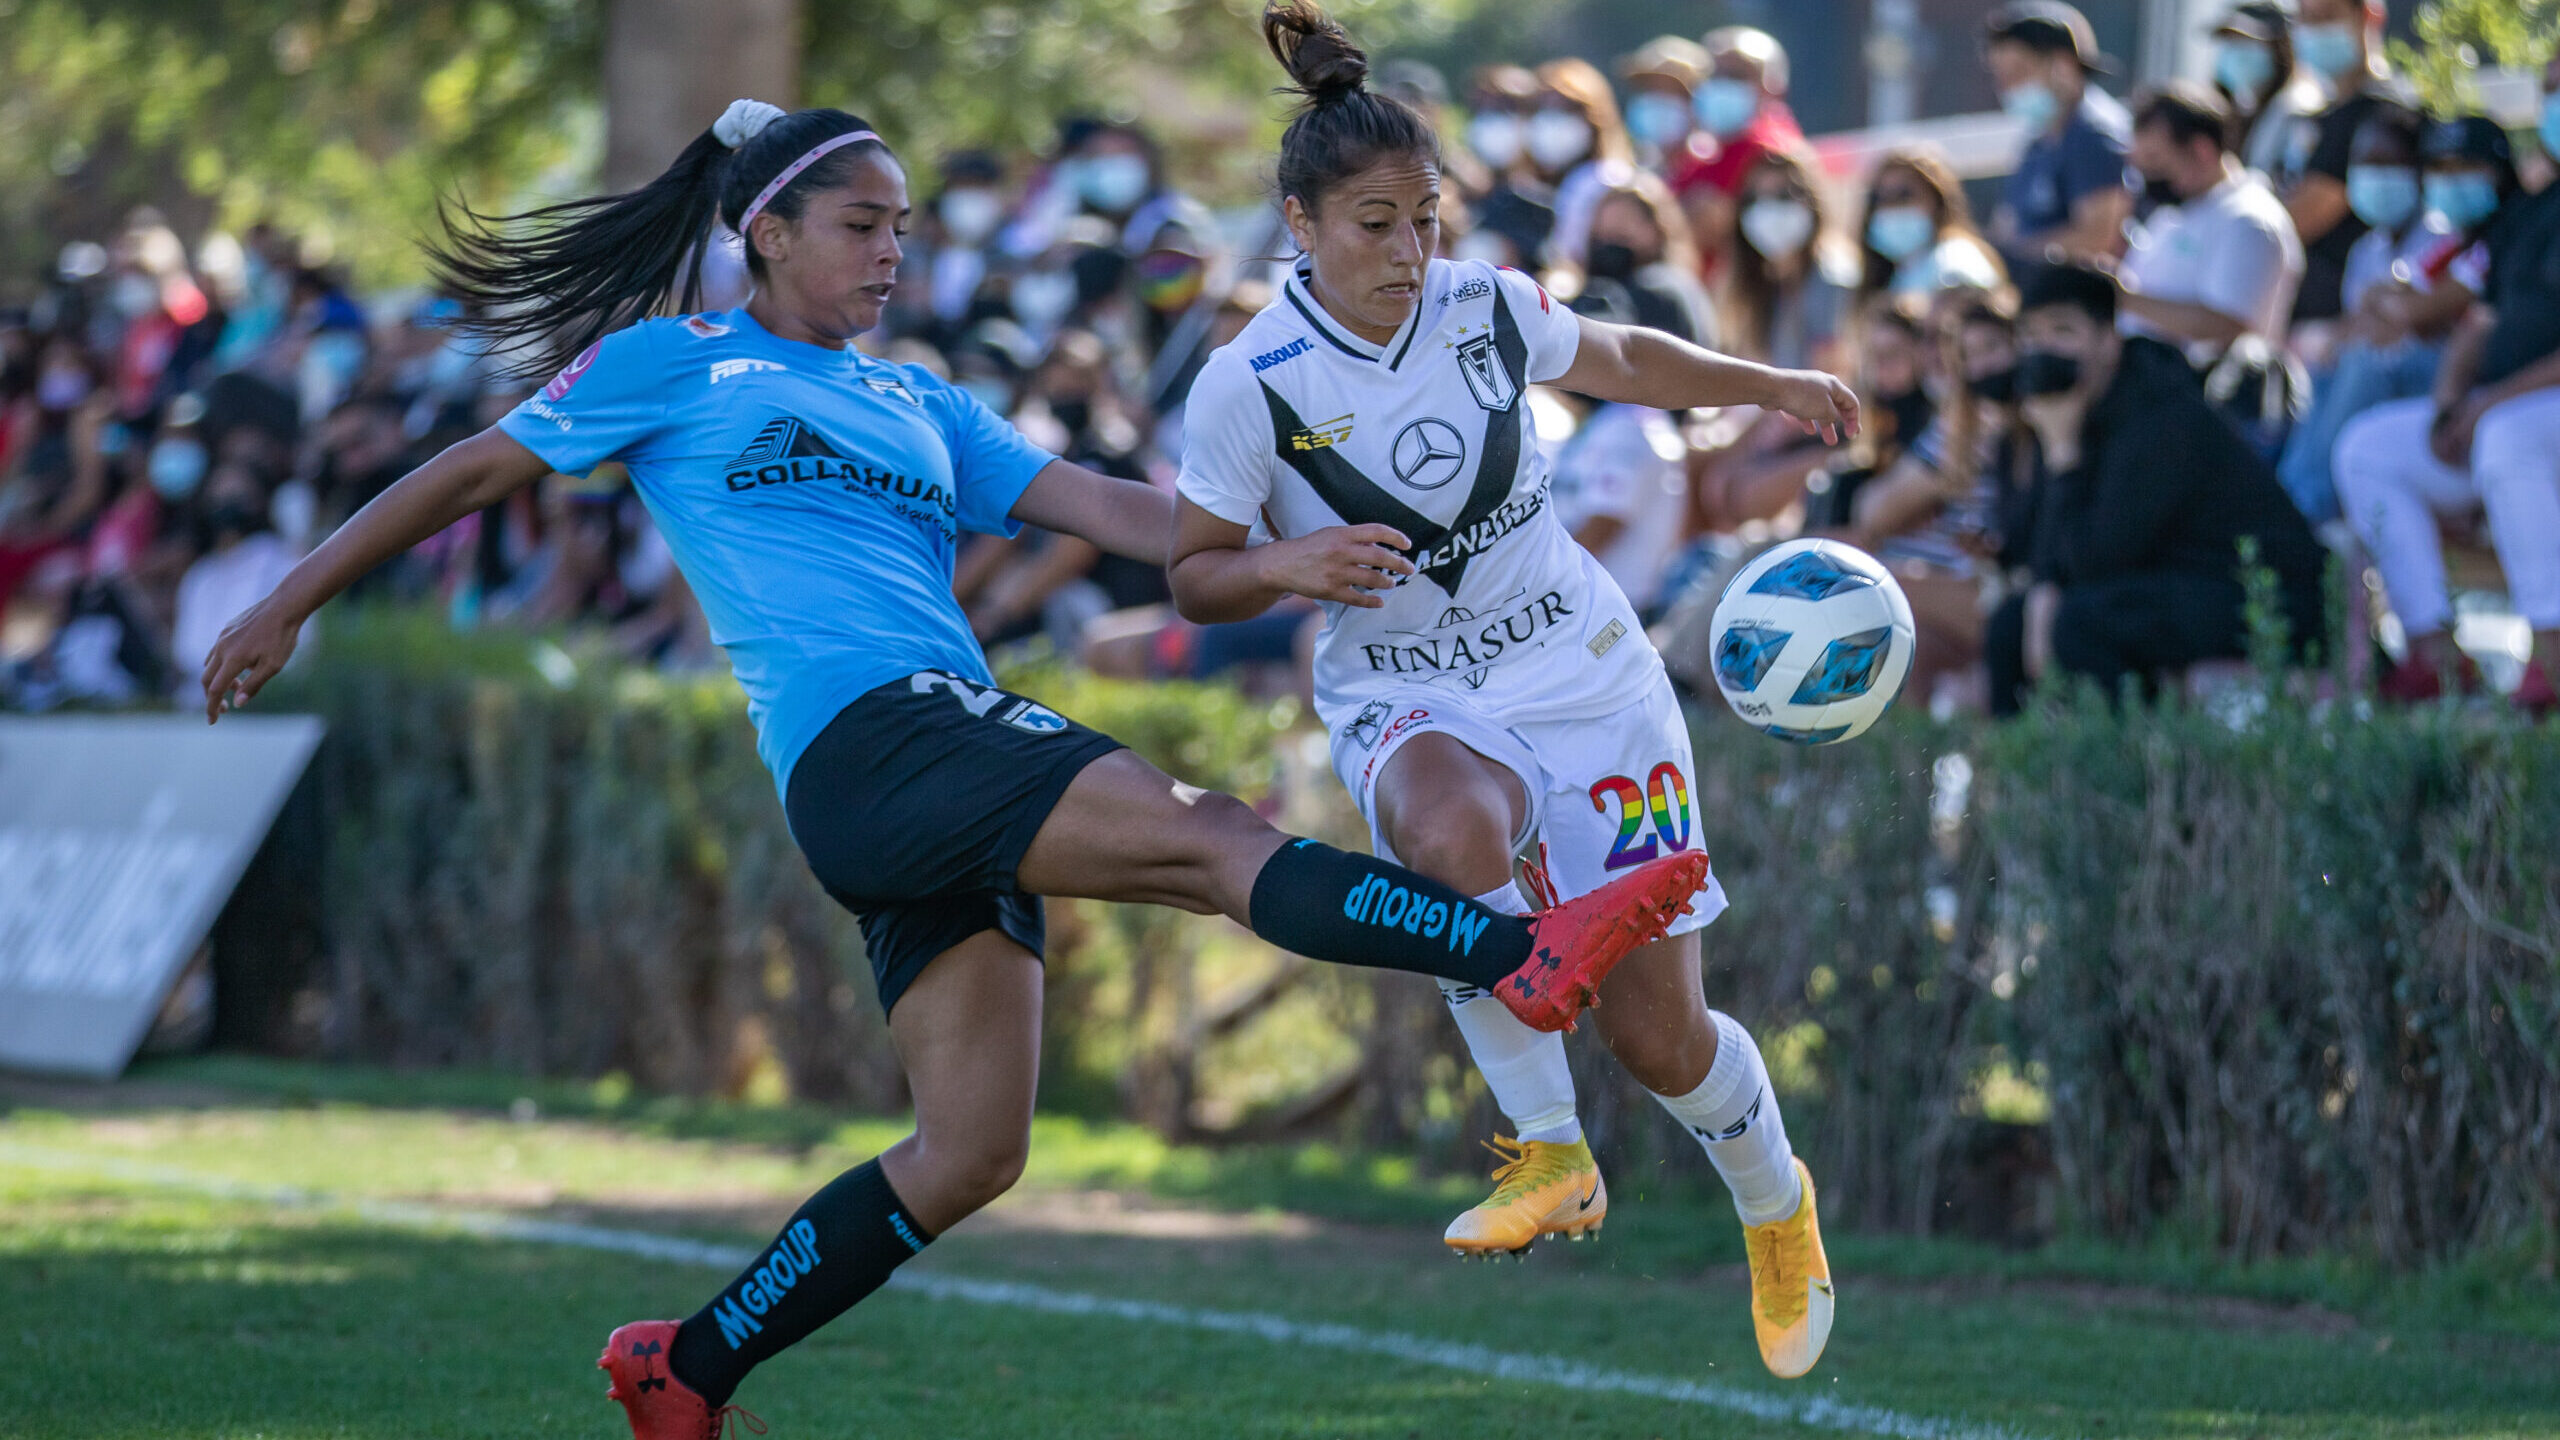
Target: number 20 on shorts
1663	799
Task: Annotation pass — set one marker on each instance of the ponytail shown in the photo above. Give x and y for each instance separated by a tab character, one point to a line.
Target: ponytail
1342	128
557	279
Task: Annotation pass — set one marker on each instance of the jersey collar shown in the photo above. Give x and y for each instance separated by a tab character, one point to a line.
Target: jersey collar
1312	310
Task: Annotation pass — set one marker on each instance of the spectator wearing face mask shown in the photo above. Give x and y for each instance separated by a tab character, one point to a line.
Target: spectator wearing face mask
2341	42
1785	302
1740	106
1514	214
2407	282
1662	88
2489	434
2070	190
959	228
1640	243
2221	261
1917	236
1578	144
2254	68
243	559
2147	498
57	477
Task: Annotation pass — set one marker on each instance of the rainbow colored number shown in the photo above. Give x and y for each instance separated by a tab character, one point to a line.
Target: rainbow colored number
1666	794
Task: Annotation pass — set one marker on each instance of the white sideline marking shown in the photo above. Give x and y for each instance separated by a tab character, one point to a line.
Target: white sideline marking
1817	1410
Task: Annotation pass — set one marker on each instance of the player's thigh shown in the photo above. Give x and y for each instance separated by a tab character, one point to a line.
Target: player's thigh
1619	795
1447	790
1126	831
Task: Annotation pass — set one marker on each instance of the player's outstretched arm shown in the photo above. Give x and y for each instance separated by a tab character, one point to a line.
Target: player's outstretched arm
467	476
1647	367
1218	578
1126	517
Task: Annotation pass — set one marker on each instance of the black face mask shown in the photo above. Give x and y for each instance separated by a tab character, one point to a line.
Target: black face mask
2046	372
1074	414
1911	411
2160	194
1612	262
2000	387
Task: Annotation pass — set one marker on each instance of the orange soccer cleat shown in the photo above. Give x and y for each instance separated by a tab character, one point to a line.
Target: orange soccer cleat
660	1406
1574	946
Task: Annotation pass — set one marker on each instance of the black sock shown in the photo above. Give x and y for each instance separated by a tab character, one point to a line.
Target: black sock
1329	904
838	1249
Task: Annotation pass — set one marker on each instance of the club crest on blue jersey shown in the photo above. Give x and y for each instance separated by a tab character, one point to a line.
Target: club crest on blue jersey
893	386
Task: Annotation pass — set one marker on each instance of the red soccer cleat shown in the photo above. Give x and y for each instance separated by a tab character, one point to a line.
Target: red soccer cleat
1574	946
660	1406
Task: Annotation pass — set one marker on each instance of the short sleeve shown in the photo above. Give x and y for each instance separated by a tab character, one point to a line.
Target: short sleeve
2245	273
2469	268
1553	332
1226	443
1606	472
604	404
991	462
2091	160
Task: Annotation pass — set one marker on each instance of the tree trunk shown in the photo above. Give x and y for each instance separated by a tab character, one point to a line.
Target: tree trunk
671	67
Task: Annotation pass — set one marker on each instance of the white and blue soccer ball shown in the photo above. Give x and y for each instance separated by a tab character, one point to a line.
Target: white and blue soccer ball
1812	641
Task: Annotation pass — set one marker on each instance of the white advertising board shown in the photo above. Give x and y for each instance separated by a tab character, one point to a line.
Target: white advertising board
120	839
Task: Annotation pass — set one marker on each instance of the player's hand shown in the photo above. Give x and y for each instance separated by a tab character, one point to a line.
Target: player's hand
1347	564
1821	405
2450	436
253	647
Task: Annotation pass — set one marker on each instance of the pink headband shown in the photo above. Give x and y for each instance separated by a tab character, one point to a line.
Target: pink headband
792	171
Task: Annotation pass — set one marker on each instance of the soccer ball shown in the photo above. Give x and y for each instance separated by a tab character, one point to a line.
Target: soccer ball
1813	640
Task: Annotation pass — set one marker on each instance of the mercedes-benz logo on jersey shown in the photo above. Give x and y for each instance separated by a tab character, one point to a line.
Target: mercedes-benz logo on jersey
1429	454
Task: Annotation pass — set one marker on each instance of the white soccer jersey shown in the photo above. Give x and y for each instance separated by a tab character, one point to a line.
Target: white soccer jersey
1303	425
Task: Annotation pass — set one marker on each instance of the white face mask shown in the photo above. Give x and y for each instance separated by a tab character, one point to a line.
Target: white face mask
1495	137
971	215
1113	183
1558	138
1778	228
1042	298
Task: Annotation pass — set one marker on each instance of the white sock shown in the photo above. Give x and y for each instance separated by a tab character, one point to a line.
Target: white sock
1524	1068
1734	1114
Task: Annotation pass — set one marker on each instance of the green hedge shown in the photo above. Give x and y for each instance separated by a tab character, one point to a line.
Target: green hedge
2284	976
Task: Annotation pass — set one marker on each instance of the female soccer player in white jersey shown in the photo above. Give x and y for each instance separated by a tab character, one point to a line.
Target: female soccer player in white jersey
1485	681
812	496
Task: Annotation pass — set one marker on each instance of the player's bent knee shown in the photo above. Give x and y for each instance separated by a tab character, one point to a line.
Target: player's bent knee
1457	845
978	1174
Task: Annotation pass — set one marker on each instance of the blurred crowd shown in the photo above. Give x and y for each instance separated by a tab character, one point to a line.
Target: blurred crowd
2286	313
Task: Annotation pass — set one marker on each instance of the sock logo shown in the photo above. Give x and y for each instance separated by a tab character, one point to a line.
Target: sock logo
1734	1130
907	1233
1376	900
792	1256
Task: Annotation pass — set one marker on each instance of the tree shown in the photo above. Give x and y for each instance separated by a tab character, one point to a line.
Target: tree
2455	36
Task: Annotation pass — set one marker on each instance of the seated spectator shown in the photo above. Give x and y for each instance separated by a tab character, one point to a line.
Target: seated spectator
1620	488
2222	260
2489	434
1514	214
1918	235
243	558
2069	192
2253	67
1935	515
2407	282
1640	242
2137	528
1740	104
1662	93
1786	300
1578	146
2341	42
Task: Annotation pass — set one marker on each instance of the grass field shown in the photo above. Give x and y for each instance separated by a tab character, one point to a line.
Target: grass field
154	1283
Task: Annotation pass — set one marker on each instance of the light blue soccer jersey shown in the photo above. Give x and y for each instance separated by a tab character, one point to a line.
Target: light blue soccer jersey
812	498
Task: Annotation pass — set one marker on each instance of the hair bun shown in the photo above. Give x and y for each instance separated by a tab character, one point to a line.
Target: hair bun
1312	46
744	120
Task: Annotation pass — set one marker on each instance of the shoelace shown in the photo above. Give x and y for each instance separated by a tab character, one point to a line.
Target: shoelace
730	1419
1783	1303
1513	1178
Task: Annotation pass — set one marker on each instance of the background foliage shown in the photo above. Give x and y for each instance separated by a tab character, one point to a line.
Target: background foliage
2271	979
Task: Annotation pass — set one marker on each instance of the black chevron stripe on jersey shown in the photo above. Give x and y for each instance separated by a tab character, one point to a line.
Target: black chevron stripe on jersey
1360	500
